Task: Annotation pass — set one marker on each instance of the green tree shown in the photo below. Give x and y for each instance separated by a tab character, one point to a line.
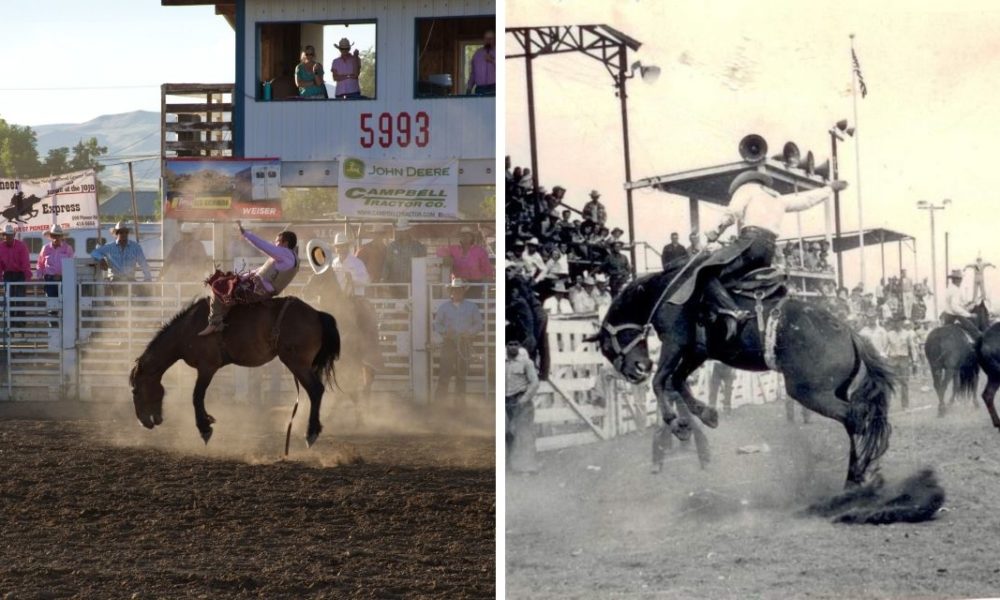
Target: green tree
57	162
366	79
18	151
86	155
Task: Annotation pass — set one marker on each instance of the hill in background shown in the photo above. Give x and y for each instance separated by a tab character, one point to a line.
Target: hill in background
130	134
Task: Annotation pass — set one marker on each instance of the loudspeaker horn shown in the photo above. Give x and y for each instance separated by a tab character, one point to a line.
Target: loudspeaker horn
823	170
808	164
789	155
753	148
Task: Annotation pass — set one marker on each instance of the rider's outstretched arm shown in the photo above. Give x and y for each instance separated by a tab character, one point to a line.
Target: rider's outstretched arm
283	257
804	200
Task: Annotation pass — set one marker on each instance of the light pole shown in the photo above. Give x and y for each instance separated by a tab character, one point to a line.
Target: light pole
931	207
835	131
600	42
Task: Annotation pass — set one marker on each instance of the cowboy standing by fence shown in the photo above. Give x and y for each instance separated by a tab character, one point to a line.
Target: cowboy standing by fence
122	256
262	284
456	321
50	259
520	385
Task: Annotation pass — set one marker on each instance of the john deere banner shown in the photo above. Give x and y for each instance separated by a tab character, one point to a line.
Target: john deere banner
69	201
207	189
398	188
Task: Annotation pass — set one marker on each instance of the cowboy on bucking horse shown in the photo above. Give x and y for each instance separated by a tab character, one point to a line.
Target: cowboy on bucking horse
759	209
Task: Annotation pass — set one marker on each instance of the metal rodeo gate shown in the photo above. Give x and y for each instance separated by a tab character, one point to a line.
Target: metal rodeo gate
32	342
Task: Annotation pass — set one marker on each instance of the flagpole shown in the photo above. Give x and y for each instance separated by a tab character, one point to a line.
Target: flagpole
857	158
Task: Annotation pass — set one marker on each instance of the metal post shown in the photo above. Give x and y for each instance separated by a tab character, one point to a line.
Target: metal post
532	141
622	70
881	247
934	271
899	250
135	211
947	262
836	212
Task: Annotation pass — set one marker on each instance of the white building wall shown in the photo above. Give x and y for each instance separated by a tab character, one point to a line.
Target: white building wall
321	130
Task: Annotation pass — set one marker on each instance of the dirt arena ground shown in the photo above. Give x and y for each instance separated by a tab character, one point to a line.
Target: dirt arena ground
99	508
596	524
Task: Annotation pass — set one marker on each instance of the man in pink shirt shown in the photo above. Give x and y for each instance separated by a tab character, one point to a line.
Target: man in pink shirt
51	257
14	261
483	71
468	262
266	282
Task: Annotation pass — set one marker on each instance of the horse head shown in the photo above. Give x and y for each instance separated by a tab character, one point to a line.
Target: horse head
147	396
982	315
624	345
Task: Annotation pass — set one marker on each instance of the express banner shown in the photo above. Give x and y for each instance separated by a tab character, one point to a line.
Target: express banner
398	188
222	189
69	201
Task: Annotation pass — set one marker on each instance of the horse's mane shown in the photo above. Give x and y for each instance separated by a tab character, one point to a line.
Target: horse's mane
641	293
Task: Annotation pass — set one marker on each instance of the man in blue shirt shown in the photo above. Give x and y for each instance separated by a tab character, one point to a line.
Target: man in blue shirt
457	322
122	256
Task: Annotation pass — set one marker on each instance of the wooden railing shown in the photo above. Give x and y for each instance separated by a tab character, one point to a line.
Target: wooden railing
196	119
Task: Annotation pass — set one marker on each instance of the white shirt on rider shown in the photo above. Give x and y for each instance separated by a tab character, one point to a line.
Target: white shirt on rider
356	268
754	205
954	301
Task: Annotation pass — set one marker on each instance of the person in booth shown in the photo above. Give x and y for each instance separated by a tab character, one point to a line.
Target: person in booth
346	69
309	75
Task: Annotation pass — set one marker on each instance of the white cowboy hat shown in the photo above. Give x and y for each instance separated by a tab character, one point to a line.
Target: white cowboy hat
8	229
54	231
457	284
120	226
188	227
532	242
319	255
402	224
344	43
341	239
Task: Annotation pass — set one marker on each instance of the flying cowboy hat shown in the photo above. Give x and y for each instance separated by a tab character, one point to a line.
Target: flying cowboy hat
55	231
120	226
319	255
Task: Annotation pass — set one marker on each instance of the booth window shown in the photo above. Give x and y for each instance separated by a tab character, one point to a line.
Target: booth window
280	47
445	47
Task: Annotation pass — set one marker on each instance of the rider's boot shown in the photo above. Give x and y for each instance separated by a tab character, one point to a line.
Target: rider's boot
725	306
212	328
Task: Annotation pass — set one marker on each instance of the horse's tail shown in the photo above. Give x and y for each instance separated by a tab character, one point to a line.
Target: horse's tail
868	411
329	352
968	376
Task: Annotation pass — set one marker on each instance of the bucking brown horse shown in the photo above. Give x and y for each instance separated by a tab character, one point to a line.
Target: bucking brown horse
305	340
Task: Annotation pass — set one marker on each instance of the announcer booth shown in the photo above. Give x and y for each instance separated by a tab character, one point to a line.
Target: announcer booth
415	147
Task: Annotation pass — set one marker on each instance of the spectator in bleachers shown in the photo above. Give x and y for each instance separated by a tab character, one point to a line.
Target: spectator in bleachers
558	303
534	264
602	295
594	210
558	263
672	251
457	321
581	296
50	259
617	268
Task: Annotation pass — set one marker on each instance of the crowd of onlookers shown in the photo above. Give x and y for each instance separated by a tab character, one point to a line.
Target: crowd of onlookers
568	256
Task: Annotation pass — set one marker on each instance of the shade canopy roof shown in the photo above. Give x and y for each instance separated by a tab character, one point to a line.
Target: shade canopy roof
711	184
851	240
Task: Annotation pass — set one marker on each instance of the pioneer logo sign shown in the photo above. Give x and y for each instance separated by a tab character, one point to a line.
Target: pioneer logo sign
398	188
36	204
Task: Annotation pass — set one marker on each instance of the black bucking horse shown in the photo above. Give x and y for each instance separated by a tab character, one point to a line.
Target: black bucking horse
988	354
951	356
826	366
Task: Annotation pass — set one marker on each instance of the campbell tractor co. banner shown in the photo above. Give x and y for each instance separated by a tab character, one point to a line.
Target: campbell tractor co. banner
205	189
398	188
69	201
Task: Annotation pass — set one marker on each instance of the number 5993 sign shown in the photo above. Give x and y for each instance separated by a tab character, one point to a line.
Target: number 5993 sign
401	130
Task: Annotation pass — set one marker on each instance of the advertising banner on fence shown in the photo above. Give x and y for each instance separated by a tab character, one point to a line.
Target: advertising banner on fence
69	201
212	189
418	189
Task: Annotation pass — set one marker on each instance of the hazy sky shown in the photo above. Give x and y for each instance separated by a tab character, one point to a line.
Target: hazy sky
66	61
928	128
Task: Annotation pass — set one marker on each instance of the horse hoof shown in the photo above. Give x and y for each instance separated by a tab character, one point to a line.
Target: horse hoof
681	428
206	435
311	439
710	417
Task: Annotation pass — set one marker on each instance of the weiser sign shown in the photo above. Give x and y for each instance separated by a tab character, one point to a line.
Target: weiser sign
416	189
69	201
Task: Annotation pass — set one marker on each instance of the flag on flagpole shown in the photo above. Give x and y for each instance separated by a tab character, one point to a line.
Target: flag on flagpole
857	71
